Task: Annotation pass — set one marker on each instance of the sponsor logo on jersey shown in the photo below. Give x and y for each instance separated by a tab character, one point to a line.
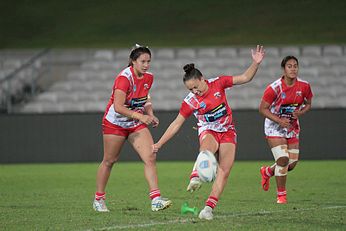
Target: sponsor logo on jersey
299	93
216	113
287	110
138	102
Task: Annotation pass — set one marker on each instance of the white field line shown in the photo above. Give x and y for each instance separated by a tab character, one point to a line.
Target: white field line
183	221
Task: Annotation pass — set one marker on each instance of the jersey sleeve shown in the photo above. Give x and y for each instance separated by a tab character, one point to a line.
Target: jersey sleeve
269	95
151	81
122	83
226	81
309	93
185	110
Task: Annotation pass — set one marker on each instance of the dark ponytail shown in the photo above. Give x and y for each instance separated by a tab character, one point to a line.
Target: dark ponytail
191	72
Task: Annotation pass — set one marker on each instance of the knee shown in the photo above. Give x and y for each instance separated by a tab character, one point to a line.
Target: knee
281	155
150	160
294	155
281	167
109	162
292	165
282	161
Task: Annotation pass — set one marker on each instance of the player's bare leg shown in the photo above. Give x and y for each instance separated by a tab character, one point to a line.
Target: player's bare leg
226	160
195	183
279	150
142	142
112	146
293	152
207	143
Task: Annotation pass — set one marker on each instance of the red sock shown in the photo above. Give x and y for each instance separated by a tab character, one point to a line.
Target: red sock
154	193
99	196
281	191
211	202
193	174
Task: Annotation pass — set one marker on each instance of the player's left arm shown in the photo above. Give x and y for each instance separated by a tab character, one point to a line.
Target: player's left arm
148	107
172	129
247	76
305	109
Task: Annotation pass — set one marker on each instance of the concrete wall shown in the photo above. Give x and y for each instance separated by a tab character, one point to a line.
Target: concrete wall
78	137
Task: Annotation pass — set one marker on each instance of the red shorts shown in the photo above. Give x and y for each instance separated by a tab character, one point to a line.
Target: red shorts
292	140
112	129
221	137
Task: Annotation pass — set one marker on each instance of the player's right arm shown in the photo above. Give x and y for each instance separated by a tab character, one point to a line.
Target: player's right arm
247	76
268	98
265	111
121	87
170	132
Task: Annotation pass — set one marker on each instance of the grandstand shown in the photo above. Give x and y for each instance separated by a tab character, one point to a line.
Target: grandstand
85	85
19	71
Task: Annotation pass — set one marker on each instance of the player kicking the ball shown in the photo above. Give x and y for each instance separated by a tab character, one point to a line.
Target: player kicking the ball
283	102
207	101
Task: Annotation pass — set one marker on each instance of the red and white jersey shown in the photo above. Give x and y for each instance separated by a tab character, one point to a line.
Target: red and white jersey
284	100
136	90
211	109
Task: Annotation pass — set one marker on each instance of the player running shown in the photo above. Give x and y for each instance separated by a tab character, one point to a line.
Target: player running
283	102
128	113
207	101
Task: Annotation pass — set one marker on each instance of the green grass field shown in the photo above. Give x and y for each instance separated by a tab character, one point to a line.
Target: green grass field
78	23
59	196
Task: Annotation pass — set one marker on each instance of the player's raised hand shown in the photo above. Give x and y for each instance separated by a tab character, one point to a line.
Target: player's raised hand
258	55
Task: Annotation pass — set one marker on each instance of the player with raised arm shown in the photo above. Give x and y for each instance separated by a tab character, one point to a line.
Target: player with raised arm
283	102
207	101
128	113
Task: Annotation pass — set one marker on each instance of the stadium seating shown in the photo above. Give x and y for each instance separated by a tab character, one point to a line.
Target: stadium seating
14	87
88	87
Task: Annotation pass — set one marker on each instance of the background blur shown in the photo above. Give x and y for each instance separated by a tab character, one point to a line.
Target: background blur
58	60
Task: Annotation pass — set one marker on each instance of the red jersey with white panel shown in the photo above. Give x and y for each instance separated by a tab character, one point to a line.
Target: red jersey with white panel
211	109
284	100
137	91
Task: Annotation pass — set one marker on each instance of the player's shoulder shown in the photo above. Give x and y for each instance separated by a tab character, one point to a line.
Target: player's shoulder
276	83
191	100
189	97
149	75
302	81
125	72
214	79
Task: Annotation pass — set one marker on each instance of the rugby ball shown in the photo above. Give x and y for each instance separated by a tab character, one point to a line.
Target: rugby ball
206	166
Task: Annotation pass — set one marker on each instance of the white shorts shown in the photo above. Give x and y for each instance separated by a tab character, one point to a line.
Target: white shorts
272	129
